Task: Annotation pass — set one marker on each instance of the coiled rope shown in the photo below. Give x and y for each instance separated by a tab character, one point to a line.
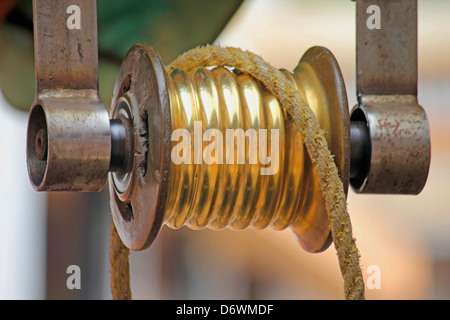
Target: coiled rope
316	145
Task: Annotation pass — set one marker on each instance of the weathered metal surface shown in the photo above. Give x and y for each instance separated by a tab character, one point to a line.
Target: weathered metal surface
69	140
392	154
78	145
139	195
400	146
387	57
65	58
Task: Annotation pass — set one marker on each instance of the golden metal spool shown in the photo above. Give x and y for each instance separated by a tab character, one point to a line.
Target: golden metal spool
153	190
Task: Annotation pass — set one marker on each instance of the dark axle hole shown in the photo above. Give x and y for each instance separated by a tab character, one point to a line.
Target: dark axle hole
41	144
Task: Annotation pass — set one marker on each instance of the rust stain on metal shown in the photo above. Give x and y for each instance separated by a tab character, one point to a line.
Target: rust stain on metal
80	52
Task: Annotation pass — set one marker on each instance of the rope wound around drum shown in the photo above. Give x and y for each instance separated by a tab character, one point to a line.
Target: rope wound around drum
307	194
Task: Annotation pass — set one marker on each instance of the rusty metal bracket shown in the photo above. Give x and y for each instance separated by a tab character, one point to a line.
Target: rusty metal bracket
390	133
69	138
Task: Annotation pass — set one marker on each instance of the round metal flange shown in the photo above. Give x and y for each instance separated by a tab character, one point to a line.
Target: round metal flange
139	194
321	83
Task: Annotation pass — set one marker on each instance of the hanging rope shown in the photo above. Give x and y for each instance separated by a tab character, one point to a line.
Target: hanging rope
315	142
120	267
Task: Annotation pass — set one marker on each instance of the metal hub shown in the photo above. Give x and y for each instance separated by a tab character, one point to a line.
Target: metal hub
138	197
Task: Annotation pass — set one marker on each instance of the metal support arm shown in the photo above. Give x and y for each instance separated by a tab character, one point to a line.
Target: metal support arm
389	129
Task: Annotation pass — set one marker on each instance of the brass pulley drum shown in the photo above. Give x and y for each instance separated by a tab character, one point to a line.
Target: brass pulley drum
149	189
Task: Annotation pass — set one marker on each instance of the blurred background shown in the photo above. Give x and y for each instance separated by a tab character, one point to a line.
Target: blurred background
407	237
